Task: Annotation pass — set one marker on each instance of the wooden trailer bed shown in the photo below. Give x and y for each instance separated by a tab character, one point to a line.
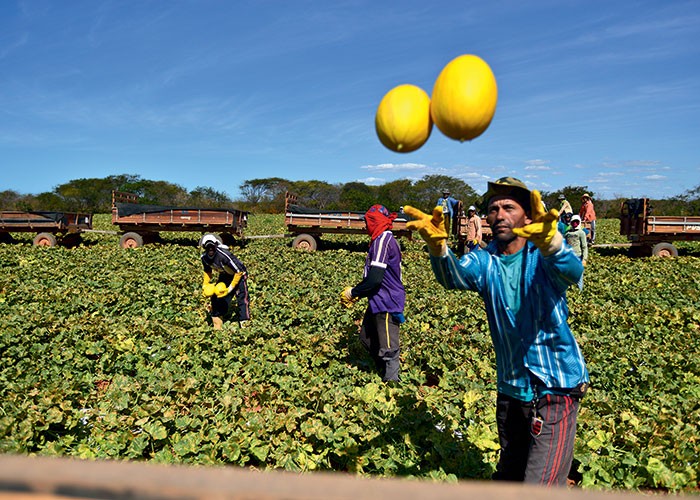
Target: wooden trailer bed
653	234
51	227
308	224
143	222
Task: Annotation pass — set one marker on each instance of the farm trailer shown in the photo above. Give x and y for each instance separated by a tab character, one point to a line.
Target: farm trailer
653	234
308	224
143	223
51	227
458	228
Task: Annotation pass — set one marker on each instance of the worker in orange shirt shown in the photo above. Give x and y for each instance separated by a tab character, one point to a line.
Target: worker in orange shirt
587	214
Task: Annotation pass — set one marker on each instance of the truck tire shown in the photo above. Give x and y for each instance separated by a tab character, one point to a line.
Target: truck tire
305	242
44	240
664	249
131	240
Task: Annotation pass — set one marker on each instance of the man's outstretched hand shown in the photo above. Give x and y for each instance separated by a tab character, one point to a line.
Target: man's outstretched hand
542	231
430	228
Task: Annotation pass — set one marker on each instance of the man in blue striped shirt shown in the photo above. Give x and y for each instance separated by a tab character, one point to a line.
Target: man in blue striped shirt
522	277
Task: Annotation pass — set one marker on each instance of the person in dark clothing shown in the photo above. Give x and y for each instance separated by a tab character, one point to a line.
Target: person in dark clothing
232	282
382	286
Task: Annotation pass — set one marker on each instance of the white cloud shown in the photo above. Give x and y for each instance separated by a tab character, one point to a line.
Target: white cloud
395	166
372	181
655	177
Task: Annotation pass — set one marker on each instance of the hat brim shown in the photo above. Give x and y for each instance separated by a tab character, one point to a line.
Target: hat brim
519	194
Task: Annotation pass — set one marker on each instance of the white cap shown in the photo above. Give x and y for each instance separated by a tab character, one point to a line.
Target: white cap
471	207
576	218
209	238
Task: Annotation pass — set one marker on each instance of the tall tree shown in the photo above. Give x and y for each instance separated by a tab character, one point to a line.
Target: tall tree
316	194
428	189
396	194
255	191
207	197
357	196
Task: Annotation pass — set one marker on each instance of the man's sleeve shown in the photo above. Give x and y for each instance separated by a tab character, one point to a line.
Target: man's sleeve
564	267
461	274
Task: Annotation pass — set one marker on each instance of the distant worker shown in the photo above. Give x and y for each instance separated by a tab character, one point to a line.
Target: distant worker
474	232
522	276
382	286
564	205
564	223
449	205
575	237
587	214
232	282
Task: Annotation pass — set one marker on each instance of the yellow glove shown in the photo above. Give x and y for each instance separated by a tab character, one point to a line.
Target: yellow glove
221	290
234	282
431	229
346	298
207	286
542	231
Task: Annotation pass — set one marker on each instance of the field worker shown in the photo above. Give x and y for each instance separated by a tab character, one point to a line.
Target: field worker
564	205
382	286
564	223
587	214
474	232
231	282
449	205
575	237
522	276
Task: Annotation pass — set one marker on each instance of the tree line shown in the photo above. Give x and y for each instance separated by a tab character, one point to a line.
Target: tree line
267	196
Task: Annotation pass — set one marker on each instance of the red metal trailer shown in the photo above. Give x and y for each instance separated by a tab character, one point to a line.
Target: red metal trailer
51	227
653	234
143	223
308	224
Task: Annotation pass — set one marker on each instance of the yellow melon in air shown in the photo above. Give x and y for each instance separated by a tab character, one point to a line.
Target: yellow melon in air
403	121
464	98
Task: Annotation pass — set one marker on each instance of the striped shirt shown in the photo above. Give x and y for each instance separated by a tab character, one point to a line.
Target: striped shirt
535	348
384	252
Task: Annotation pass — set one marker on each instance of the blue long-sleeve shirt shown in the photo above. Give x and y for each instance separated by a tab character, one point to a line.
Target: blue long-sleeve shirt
536	352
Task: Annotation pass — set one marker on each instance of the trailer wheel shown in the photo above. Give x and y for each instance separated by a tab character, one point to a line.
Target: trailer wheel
305	242
44	240
131	240
664	249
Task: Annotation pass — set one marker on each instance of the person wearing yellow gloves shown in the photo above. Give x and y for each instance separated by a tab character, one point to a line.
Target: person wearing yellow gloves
386	296
232	282
522	276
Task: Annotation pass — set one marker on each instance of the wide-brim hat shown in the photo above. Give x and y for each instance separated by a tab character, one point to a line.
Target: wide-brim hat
507	186
586	195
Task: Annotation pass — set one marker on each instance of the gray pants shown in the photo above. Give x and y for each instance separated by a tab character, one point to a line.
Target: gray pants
537	439
380	336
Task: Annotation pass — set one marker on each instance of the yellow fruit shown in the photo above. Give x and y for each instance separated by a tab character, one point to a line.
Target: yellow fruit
464	98
403	121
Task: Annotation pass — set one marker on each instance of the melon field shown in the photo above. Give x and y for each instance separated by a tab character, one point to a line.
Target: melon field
107	353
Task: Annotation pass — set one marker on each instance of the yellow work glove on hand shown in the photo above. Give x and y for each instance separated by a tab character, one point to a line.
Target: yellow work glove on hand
431	229
542	231
221	290
346	298
207	286
234	282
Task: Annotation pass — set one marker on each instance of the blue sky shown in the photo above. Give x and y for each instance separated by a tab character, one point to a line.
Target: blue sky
215	92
